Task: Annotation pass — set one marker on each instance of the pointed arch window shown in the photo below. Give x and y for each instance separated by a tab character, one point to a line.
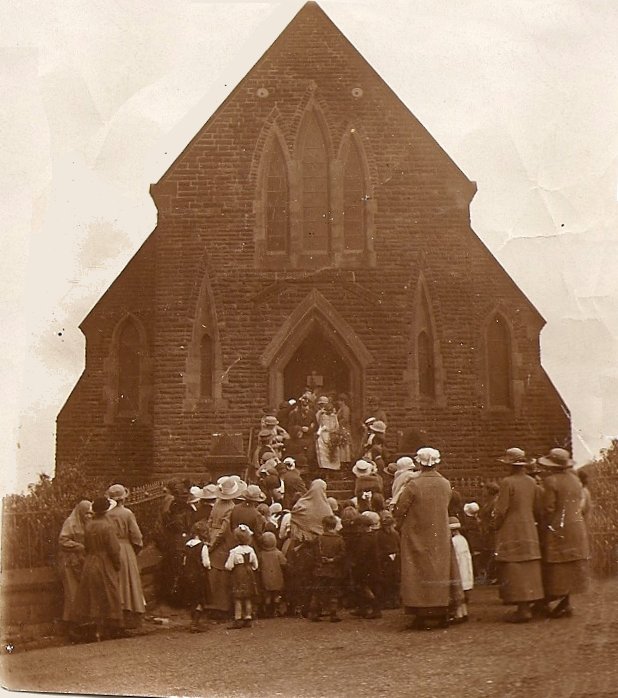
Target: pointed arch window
277	202
354	191
426	367
499	362
207	365
315	183
129	365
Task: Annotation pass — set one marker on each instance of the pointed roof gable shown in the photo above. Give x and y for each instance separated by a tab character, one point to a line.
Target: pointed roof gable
313	30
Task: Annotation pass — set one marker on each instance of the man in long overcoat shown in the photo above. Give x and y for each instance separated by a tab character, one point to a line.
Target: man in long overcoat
518	552
564	535
422	517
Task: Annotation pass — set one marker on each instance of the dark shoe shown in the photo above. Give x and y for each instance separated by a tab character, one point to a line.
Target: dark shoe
335	619
247	623
566	612
235	625
517	617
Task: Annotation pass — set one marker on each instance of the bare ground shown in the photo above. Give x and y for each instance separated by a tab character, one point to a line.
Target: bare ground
568	658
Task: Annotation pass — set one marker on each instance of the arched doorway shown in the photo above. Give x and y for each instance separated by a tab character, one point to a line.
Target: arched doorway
315	337
316	363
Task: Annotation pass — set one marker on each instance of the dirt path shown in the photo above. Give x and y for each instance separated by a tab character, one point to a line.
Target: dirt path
566	658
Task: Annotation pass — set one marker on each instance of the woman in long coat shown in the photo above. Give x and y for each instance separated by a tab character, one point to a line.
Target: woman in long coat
71	553
425	538
131	543
98	595
230	489
564	536
518	553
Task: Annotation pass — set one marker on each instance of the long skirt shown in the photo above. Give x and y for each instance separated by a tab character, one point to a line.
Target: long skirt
520	582
70	567
98	596
562	578
131	594
220	590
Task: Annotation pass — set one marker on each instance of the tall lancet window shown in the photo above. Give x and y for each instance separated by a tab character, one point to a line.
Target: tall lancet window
498	343
129	360
426	368
277	202
425	351
353	201
315	188
207	365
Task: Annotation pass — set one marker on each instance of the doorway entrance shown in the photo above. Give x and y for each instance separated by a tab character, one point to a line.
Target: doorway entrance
318	364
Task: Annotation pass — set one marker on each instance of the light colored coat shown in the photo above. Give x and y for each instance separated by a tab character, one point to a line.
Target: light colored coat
426	548
564	533
517	508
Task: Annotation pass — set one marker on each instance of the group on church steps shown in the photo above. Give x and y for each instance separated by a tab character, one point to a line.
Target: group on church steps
276	544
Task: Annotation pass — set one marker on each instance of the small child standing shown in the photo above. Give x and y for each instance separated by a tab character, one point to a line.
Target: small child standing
242	562
272	563
389	546
366	567
194	579
328	570
459	613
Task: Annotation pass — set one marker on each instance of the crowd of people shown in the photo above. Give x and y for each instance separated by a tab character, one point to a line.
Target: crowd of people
274	542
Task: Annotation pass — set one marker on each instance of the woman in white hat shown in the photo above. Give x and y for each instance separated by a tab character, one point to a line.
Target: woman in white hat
566	549
426	550
131	543
518	553
368	483
230	490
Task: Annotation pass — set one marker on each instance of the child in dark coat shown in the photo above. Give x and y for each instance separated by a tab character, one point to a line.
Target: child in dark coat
328	569
194	580
272	566
366	566
388	544
242	563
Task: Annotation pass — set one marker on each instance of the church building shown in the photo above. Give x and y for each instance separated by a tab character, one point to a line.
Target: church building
312	231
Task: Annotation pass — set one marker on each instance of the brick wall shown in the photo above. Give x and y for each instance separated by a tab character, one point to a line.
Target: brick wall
204	254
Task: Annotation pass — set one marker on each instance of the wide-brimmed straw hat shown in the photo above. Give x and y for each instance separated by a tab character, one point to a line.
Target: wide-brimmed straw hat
210	492
230	487
427	456
400	465
270	421
453	523
254	494
363	467
558	458
100	505
117	492
514	456
379	427
195	494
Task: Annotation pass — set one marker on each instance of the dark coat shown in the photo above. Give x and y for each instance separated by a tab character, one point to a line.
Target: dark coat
98	594
329	556
515	514
293	483
564	534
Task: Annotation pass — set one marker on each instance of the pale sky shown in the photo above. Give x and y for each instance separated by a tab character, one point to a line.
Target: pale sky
100	97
